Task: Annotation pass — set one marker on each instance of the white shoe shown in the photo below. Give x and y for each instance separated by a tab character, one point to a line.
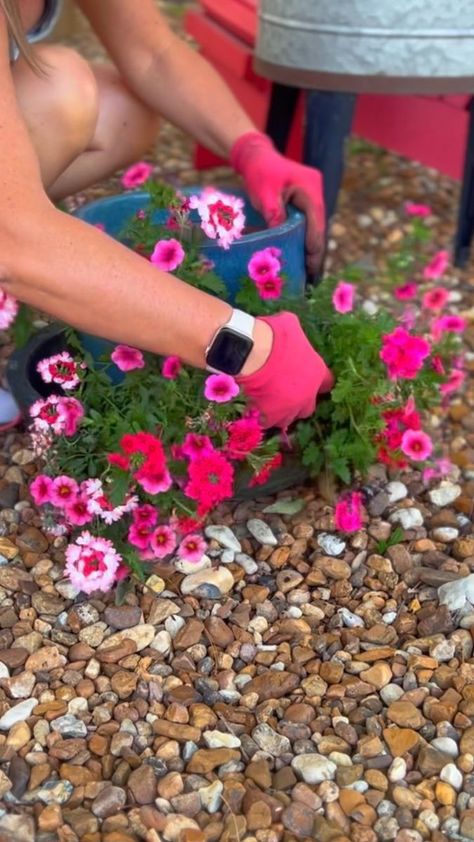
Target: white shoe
10	414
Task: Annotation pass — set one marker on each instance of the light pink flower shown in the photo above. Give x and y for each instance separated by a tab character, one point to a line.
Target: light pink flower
436	298
456	379
343	297
406	292
222	217
195	446
270	288
348	512
264	265
167	255
192	548
437	266
136	175
403	353
40	489
92	563
414	209
61	369
220	388
63	491
79	511
162	541
71	413
127	358
171	367
447	324
417	445
8	310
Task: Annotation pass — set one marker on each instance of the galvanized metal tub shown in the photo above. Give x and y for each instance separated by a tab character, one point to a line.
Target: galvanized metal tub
380	46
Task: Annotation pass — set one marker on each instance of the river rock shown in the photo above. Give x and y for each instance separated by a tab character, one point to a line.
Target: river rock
261	532
210	584
445	493
18	713
314	768
224	536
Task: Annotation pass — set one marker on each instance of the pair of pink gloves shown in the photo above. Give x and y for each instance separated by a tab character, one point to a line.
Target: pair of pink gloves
287	386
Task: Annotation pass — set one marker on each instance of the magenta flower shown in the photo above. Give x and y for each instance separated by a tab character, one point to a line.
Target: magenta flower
63	491
71	413
136	175
79	511
436	298
8	310
413	209
406	292
348	512
417	445
263	265
167	255
220	388
145	515
403	353
269	288
154	480
192	548
437	266
139	535
127	358
162	541
343	297
195	446
456	379
222	217
40	489
447	324
92	563
171	367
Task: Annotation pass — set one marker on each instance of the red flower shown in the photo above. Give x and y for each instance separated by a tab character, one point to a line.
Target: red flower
245	435
263	475
210	480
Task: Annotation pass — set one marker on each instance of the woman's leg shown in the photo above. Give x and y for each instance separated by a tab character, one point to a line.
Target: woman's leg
83	121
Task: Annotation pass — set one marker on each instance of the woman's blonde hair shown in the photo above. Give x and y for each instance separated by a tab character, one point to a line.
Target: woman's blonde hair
15	29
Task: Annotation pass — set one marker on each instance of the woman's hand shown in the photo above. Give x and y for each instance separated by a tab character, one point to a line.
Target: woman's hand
272	181
286	387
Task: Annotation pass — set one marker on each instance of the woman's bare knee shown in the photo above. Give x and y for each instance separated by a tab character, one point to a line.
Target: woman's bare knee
60	106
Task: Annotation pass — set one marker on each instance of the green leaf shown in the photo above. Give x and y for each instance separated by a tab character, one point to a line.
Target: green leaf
22	329
393	539
285	507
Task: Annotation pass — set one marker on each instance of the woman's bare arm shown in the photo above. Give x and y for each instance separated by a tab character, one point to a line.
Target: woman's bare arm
166	73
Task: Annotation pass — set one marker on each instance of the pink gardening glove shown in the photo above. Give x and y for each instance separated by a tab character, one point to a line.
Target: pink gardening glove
287	385
273	181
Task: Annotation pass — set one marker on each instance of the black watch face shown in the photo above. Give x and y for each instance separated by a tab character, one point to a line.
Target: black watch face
229	351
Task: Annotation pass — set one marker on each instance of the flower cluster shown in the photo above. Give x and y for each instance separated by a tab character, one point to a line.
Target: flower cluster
132	471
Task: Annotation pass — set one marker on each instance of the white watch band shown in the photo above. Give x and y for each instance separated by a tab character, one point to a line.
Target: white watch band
242	323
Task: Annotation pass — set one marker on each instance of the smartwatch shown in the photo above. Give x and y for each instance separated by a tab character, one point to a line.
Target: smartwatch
230	347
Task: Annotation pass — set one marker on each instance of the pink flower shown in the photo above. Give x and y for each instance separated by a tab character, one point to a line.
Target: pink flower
195	446
417	445
154	479
436	298
192	548
45	416
61	369
222	217
406	292
264	265
63	491
343	297
40	489
8	310
162	541
167	255
79	511
413	209
348	514
171	367
270	288
437	266
136	175
92	563
403	353
145	515
408	318
139	535
71	413
447	324
127	358
245	435
220	388
456	379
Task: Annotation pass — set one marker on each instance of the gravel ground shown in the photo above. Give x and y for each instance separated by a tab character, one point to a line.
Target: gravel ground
303	686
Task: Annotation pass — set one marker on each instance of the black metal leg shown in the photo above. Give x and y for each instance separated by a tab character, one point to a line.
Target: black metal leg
283	102
328	123
465	228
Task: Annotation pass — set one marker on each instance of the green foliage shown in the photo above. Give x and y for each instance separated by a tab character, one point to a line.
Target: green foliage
393	539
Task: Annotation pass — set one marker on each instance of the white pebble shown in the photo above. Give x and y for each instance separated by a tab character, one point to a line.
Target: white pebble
349	619
451	775
458	595
331	544
396	491
409	518
445	534
249	565
220	739
314	768
397	770
446	492
261	532
447	745
224	536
